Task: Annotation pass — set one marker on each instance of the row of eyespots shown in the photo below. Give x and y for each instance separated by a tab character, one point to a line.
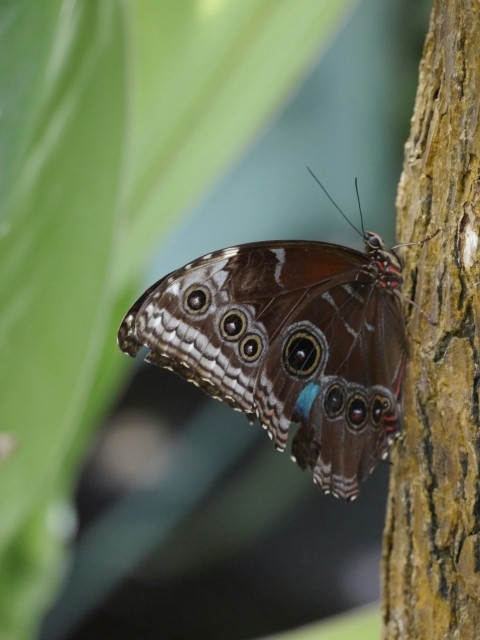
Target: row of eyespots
233	325
302	352
356	407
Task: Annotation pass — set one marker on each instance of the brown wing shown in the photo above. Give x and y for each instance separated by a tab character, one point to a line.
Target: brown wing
269	328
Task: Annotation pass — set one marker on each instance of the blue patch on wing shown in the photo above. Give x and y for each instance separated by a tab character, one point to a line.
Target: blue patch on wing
305	400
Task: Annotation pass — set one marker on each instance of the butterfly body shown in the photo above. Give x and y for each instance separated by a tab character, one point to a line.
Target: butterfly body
291	331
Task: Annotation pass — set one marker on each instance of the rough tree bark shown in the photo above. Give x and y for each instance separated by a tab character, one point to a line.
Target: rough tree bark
431	556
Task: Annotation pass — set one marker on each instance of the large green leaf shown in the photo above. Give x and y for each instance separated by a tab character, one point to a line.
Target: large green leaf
116	115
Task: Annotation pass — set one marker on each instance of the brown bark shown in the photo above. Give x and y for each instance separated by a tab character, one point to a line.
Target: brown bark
431	555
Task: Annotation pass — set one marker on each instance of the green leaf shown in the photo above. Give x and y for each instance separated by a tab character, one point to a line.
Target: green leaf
116	116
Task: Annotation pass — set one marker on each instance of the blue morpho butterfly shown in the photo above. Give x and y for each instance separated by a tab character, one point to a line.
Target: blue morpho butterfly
289	331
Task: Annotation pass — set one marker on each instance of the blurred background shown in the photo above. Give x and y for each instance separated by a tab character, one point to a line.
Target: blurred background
185	522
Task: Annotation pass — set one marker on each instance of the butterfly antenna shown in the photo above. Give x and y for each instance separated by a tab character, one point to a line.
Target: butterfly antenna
360	208
362	233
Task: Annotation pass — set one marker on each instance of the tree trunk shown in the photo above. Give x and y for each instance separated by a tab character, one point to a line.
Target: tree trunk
431	555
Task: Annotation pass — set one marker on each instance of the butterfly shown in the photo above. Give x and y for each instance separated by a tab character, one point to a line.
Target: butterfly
300	332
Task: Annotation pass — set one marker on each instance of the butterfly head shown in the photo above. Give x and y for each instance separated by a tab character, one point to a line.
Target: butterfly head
373	242
386	263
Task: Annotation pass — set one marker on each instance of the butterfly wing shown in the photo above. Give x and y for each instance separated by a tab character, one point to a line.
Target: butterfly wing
351	413
264	327
236	286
